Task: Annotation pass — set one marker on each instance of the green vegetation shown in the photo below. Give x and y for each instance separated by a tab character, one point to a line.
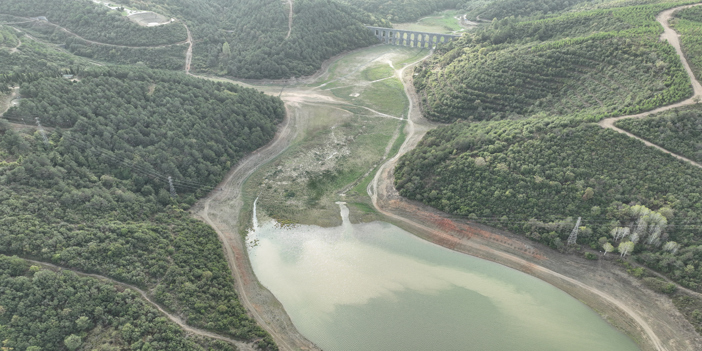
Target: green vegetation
95	22
45	310
590	64
95	195
534	177
679	131
405	10
689	24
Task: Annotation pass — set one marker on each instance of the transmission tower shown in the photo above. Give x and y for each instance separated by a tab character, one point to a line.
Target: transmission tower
574	234
42	132
170	182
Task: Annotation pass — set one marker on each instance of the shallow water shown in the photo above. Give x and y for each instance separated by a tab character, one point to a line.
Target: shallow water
375	286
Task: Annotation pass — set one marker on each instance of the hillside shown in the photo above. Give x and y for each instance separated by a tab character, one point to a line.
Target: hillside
592	64
92	192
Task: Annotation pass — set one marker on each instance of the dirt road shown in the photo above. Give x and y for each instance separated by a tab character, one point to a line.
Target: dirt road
175	319
189	53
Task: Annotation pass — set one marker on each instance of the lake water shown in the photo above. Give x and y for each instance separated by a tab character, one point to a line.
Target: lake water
375	286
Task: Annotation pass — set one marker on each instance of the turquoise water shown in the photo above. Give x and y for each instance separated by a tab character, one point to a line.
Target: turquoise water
375	286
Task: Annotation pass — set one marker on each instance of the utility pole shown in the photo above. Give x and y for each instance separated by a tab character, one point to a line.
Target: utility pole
170	182
42	132
574	234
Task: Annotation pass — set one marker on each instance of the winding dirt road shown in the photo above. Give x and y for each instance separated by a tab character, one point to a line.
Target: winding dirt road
240	345
674	39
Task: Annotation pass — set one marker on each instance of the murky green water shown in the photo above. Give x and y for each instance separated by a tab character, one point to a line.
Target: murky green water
376	287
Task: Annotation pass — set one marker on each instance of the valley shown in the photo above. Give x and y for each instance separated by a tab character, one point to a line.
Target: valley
366	135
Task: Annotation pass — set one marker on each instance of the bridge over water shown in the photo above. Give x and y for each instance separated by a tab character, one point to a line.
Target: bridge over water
410	38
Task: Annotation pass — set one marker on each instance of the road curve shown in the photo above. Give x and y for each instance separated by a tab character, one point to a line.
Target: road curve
240	345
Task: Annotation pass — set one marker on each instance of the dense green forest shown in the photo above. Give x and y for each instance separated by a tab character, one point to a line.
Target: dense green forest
678	131
45	310
248	38
404	10
94	194
95	22
535	177
591	64
688	23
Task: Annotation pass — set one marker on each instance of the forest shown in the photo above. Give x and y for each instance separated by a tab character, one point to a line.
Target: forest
679	130
91	191
535	177
591	64
43	310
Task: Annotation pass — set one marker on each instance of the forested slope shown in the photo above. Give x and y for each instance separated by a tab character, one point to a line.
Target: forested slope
536	177
247	38
95	195
591	64
45	310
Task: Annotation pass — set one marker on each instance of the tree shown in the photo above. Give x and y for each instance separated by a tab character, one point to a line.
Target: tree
625	248
589	193
73	342
226	50
607	248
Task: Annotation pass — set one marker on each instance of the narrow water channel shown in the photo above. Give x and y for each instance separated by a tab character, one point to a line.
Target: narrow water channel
375	286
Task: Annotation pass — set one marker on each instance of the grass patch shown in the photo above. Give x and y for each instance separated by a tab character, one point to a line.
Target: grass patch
377	72
363	207
387	96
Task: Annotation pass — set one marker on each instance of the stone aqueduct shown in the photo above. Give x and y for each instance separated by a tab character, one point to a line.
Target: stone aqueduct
410	38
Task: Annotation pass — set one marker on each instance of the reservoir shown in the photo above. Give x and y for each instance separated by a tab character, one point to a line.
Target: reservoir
374	286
